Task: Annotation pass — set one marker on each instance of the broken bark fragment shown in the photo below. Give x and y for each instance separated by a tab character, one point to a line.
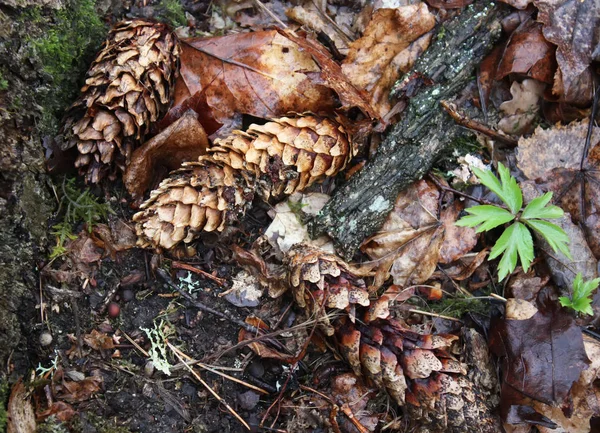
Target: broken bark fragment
359	208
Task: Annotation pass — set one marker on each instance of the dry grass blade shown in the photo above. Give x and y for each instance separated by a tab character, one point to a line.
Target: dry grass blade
208	388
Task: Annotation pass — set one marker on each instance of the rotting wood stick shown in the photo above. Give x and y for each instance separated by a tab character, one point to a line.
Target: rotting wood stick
359	208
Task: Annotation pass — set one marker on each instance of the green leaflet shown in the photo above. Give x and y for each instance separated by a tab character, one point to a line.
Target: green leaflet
581	300
515	243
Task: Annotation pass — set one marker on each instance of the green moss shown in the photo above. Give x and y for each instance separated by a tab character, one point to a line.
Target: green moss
459	305
4	392
3	82
172	12
63	41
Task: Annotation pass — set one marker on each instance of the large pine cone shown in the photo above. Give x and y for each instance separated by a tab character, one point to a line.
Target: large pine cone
281	157
128	87
418	371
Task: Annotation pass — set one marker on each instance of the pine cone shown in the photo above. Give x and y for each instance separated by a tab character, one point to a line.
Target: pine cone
200	196
417	370
280	157
128	87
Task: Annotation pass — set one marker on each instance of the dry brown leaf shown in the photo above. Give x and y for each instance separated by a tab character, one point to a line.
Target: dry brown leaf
572	25
20	413
557	156
77	391
98	340
557	147
264	74
520	113
391	43
412	240
457	240
115	237
184	140
315	19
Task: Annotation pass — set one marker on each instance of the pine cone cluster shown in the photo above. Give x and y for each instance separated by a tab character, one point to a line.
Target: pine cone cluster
418	371
128	86
278	158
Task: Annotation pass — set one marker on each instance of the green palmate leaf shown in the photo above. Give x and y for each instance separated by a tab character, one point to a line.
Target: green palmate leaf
506	188
537	208
486	217
512	193
553	234
581	300
515	242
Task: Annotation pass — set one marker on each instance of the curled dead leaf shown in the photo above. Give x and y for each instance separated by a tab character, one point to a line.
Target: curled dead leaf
184	140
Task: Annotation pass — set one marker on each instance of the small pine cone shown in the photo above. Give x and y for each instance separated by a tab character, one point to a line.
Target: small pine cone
204	195
289	154
417	370
321	282
128	87
283	156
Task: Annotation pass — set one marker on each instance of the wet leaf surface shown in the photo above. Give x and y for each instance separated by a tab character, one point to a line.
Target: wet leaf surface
184	140
543	356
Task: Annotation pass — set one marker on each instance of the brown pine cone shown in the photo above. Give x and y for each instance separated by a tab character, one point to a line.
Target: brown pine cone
204	195
128	87
280	157
418	371
289	154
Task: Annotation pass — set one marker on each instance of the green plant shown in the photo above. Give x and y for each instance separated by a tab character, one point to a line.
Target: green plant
516	241
158	351
581	300
172	12
80	206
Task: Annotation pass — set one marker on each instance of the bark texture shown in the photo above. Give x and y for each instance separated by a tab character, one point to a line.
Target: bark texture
359	208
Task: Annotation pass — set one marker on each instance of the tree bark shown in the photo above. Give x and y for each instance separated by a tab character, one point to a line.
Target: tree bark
359	208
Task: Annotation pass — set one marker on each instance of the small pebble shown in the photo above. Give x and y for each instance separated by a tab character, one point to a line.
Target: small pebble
114	309
45	338
248	400
128	295
149	369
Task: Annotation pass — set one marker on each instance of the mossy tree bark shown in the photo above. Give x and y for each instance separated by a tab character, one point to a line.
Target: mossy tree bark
359	208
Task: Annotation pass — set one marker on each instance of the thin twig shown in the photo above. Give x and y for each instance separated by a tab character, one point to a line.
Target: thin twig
191	361
132	341
186	267
163	274
427	313
271	14
208	388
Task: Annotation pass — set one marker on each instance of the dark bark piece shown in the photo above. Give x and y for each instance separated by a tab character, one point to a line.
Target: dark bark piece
360	207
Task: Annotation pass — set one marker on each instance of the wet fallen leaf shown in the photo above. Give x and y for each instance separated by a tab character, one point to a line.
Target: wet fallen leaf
313	17
184	140
115	237
264	74
83	249
557	156
521	112
543	355
584	395
413	241
572	25
263	348
525	286
20	413
77	391
98	340
391	43
528	53
562	268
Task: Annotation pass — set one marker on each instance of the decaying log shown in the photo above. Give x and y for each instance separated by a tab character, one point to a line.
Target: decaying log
359	208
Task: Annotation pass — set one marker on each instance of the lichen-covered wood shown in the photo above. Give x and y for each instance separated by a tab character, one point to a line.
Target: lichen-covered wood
128	86
278	158
359	207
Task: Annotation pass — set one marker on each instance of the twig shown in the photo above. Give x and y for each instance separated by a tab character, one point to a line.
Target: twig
208	388
271	14
427	313
473	125
132	341
462	194
498	297
163	274
191	361
185	266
